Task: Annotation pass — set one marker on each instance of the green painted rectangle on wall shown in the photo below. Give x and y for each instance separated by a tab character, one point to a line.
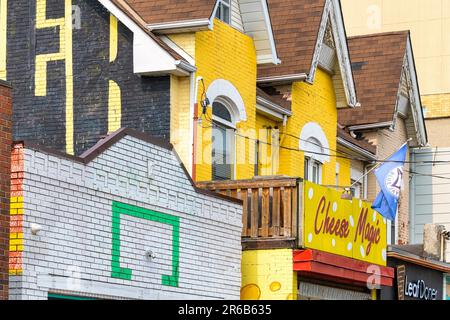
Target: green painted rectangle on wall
119	209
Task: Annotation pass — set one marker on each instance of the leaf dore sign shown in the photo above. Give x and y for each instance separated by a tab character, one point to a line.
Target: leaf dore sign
347	228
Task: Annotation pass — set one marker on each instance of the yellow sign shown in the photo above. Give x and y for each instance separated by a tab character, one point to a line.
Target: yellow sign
347	228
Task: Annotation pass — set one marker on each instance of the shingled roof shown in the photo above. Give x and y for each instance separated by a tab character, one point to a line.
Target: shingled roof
133	15
165	11
377	62
296	25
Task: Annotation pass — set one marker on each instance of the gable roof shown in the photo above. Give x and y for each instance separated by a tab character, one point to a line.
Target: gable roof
377	62
146	44
110	140
296	27
165	11
300	30
382	63
175	16
122	5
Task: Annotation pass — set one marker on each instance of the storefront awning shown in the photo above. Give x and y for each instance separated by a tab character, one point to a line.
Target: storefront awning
341	269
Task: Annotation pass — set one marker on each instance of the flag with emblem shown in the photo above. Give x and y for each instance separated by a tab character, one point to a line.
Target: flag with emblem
390	178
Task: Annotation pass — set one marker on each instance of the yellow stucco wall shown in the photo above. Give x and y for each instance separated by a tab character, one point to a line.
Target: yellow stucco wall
180	122
268	275
344	172
268	151
310	103
185	41
429	22
226	53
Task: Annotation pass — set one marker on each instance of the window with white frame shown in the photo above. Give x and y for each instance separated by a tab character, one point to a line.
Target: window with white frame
314	143
358	181
313	167
356	190
224	11
313	171
223	141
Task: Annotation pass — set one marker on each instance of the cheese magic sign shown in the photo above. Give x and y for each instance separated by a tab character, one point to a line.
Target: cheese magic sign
347	228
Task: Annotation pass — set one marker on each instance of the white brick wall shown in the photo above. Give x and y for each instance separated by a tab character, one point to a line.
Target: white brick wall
73	202
387	143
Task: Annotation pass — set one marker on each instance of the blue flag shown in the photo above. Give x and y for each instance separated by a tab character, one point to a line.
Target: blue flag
390	179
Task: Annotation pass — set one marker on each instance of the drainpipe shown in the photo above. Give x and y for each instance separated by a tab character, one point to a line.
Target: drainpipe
194	114
191	114
285	119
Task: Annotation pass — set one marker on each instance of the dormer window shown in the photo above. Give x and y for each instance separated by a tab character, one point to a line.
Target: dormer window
224	11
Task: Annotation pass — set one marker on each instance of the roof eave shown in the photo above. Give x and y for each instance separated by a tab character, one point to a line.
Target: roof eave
145	44
283	79
180	26
272	108
397	253
371	126
422	129
355	148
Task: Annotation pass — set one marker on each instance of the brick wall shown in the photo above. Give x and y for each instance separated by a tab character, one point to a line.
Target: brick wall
387	143
311	103
5	170
66	103
99	219
436	105
228	54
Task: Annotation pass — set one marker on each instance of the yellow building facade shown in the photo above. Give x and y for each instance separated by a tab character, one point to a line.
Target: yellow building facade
268	274
226	61
226	66
314	103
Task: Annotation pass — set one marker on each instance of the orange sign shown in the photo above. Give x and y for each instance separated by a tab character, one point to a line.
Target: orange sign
347	228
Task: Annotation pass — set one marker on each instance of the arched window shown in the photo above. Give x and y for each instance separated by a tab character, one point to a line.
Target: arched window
223	140
313	167
314	143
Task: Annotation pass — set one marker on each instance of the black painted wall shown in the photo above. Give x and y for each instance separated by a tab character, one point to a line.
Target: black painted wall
145	100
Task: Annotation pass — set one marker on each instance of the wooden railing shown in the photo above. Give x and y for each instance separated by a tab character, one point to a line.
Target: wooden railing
270	205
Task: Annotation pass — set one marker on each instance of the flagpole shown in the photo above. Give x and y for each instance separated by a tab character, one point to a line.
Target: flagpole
375	167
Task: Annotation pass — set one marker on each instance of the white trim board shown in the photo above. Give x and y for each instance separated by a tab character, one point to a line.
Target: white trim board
148	56
256	23
332	11
224	88
415	101
314	130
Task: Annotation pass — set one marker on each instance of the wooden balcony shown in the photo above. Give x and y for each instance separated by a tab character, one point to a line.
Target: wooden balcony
270	209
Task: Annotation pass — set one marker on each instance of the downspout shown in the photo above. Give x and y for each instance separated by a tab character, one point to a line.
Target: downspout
191	116
366	181
194	118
